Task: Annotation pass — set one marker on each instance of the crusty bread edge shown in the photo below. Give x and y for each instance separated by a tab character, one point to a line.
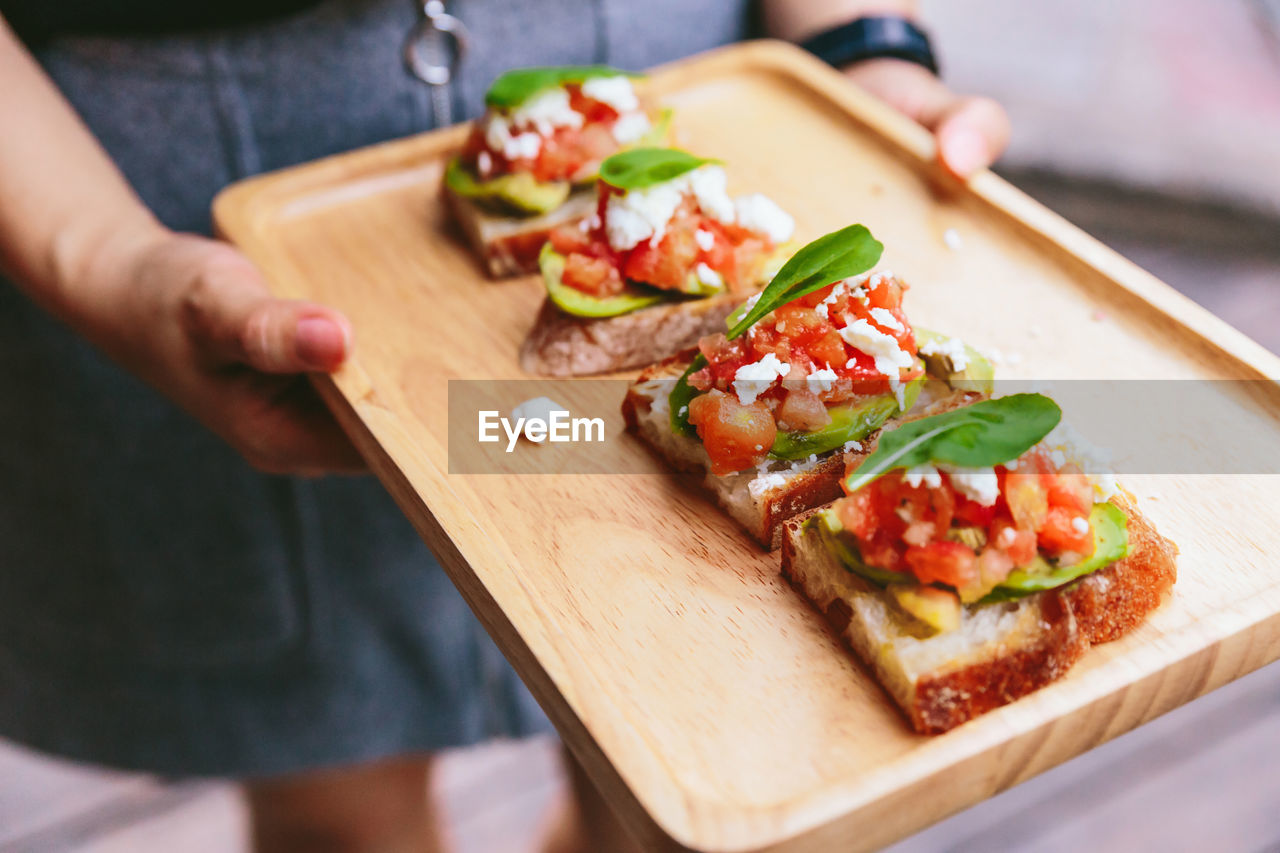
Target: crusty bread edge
1098	608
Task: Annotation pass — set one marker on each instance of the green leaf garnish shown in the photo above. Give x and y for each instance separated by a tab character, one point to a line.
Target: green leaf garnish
836	256
514	87
987	433
639	168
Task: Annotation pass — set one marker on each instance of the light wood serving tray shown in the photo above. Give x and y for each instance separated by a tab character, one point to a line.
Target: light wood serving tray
700	691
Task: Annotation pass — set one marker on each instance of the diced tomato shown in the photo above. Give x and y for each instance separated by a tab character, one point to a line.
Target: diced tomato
594	111
669	264
1027	500
857	514
1069	489
1020	545
595	276
569	239
735	436
1065	530
994	565
943	562
971	512
801	409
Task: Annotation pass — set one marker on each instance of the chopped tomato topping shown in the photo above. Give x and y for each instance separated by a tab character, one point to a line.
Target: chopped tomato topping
592	275
942	536
802	410
734	434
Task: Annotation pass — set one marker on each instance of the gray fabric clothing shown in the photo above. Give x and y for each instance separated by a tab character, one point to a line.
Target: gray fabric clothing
162	606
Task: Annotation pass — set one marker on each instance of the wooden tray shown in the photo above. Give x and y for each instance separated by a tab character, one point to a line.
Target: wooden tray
700	691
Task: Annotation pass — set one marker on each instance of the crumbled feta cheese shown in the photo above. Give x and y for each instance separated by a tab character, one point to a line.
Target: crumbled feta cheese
889	357
1080	525
705	239
852	445
546	111
498	136
977	484
766	481
820	381
616	91
709	185
485	163
885	318
952	238
708	277
1006	537
760	213
953	348
752	380
924	474
631	127
538	407
643	214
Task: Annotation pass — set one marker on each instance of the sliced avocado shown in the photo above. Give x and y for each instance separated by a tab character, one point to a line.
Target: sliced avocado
1110	543
519	191
838	545
939	609
977	375
573	301
848	423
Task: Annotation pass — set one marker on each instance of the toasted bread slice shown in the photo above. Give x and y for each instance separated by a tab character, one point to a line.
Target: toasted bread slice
1001	651
760	499
561	344
508	244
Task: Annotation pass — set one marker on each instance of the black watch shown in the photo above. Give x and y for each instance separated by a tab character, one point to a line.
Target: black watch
873	38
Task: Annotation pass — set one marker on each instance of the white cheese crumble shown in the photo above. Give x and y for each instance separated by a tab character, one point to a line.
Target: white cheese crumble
885	318
752	380
705	239
708	277
631	127
852	445
889	357
1080	525
924	474
498	136
539	407
952	238
1007	537
977	484
760	213
546	111
642	214
485	164
616	91
953	348
820	381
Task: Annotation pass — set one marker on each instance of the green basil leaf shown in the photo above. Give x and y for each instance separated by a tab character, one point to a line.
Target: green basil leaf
839	255
681	394
639	168
981	435
518	85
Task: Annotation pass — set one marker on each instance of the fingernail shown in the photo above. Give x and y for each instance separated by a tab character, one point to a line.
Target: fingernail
320	343
964	151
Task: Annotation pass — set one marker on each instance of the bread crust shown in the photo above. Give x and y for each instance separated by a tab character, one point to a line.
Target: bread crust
507	244
561	344
1096	609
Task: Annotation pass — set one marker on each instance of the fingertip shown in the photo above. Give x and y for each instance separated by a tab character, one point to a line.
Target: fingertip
963	150
321	342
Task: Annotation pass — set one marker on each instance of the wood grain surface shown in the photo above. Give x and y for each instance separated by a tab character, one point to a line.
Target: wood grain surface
700	691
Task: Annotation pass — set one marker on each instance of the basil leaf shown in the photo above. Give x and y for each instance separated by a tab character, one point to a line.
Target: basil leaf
514	87
981	435
848	252
836	256
644	167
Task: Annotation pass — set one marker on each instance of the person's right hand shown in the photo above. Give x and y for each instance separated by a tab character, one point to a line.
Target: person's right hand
194	318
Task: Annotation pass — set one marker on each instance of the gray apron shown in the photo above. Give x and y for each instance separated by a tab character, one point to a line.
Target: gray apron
163	606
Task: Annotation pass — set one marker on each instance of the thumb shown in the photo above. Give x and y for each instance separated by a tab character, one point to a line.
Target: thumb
971	134
234	320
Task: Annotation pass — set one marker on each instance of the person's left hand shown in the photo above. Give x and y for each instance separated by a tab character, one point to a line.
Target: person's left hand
972	132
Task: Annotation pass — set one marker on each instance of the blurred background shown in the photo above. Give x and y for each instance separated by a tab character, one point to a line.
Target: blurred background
1155	126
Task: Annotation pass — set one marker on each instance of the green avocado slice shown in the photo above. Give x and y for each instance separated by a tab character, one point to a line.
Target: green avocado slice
1110	543
829	531
573	301
848	423
978	374
519	190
